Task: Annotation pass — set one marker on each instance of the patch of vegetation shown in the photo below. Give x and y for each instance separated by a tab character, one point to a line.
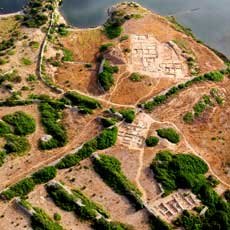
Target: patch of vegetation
26	61
36	13
70	202
128	115
68	55
62	30
157	224
105	78
4	128
41	221
6	44
136	77
50	114
3	156
106	122
188	117
16	144
170	134
57	216
90	204
109	168
178	171
23	123
34	44
227	195
124	38
105	47
21	188
44	175
105	140
215	76
81	101
152	141
31	78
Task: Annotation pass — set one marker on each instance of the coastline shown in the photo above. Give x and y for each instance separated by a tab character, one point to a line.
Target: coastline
11	14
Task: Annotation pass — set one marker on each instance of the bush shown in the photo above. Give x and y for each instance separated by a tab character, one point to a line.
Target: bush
152	141
102	224
227	195
23	124
107	138
2	157
82	101
106	77
128	115
109	168
106	122
112	30
169	134
44	175
188	117
105	47
104	140
50	113
68	55
16	144
179	171
26	61
21	188
57	216
4	128
135	77
41	221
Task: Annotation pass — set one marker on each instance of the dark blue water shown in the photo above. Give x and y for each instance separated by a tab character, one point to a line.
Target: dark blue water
211	23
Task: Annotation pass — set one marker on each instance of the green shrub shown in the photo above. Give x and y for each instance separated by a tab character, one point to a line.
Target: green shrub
41	221
31	78
135	77
109	168
50	113
178	171
16	144
128	115
227	195
77	99
152	141
57	216
106	77
103	224
2	157
21	188
105	47
157	224
107	138
169	134
4	128
104	140
106	122
23	123
90	204
112	30
188	117
26	61
68	55
44	175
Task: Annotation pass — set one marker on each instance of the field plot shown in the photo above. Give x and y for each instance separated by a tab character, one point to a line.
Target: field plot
156	59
